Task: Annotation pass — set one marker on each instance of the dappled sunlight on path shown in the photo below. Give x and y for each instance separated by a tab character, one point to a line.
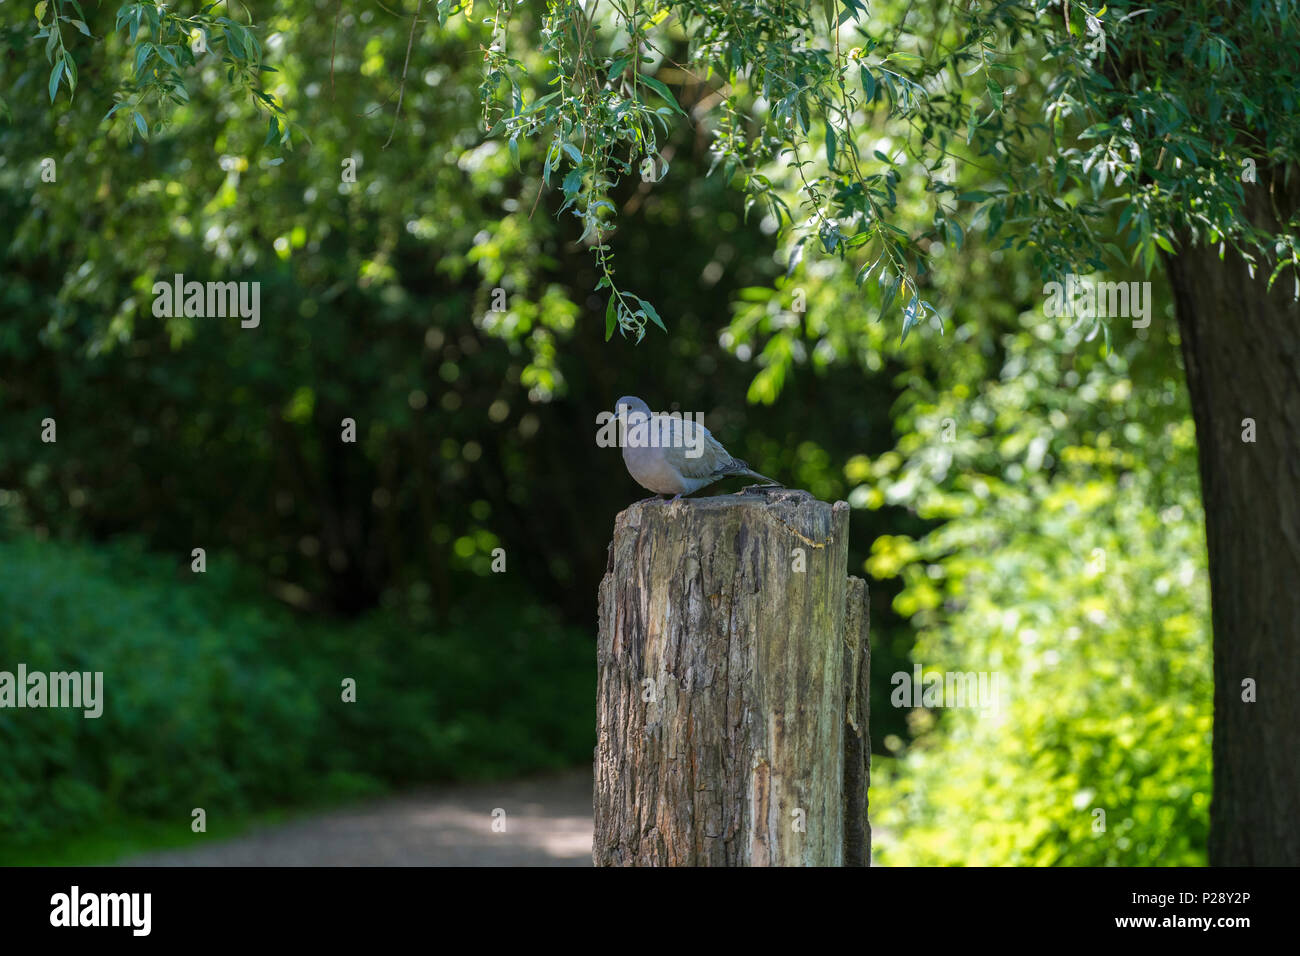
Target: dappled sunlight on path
547	822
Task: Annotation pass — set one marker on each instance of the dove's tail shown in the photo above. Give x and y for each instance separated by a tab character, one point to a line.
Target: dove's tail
739	467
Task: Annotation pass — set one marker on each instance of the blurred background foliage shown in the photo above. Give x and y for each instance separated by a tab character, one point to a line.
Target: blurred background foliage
215	700
988	464
1069	560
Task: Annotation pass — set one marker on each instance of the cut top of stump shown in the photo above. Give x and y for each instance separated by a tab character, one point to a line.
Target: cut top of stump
813	522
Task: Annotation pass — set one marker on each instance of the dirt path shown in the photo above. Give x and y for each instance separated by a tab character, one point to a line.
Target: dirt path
547	820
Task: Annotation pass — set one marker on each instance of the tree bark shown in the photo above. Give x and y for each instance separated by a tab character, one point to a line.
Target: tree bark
1241	347
857	715
732	658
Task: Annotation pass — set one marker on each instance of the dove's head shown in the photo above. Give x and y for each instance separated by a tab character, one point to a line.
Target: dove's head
630	403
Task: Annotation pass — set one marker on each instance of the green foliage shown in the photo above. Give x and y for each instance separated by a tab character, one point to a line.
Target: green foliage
376	298
1069	559
1070	112
215	700
162	47
474	423
379	303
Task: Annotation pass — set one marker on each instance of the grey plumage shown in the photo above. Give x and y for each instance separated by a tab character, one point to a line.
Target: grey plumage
673	456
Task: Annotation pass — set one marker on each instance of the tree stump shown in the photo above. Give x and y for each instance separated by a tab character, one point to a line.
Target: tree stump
732	692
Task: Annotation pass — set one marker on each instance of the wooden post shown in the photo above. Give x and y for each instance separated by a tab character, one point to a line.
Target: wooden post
732	691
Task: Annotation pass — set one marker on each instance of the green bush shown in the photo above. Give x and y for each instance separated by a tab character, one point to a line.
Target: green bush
1070	560
215	698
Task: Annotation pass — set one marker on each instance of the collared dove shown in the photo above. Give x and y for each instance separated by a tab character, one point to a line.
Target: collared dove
671	455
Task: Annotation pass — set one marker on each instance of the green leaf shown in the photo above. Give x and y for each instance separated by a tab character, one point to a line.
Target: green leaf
552	158
889	292
611	317
618	66
868	84
140	124
911	316
909	322
955	230
234	44
142	55
995	91
663	91
796	256
54	79
651	313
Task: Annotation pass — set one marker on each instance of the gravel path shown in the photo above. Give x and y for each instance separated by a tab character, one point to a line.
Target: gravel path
548	822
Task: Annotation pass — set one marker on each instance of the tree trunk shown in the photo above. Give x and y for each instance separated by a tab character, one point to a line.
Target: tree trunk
732	659
857	714
1241	346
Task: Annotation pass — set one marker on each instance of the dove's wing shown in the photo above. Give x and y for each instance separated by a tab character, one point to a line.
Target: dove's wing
687	437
